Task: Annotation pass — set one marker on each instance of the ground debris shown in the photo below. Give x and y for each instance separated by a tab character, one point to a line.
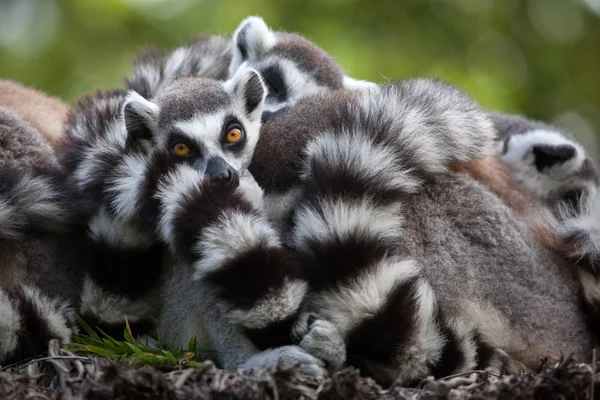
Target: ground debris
62	375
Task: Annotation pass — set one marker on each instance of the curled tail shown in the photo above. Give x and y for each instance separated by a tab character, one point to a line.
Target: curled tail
29	319
31	202
124	276
230	247
348	225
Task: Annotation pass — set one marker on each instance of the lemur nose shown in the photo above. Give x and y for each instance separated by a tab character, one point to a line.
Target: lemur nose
221	172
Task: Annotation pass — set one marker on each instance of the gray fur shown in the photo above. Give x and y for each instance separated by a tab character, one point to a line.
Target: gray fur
23	147
545	159
41	225
324	341
23	307
434	122
305	68
204	56
463	262
486	243
200	315
198	109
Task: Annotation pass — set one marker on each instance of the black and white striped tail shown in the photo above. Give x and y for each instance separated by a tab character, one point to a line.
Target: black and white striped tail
347	228
29	319
231	249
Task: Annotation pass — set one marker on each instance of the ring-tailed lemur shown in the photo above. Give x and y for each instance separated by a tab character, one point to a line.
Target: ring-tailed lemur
148	164
292	66
41	223
545	159
262	39
414	283
550	163
256	44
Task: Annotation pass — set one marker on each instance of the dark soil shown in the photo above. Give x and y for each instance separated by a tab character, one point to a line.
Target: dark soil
64	376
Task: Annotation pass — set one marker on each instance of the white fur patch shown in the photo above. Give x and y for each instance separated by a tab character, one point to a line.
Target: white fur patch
33	198
55	312
118	233
275	307
251	191
176	61
340	218
428	342
112	309
11	221
171	191
125	186
233	234
585	226
257	37
462	328
591	287
451	129
143	108
355	84
348	305
521	160
356	151
10	325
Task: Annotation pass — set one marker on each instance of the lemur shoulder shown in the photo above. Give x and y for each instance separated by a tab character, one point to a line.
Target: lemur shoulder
44	113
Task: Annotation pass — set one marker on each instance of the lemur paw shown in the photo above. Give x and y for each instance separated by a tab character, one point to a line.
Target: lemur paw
287	356
323	340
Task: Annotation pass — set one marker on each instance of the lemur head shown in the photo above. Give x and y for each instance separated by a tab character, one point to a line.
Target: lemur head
545	159
212	125
292	66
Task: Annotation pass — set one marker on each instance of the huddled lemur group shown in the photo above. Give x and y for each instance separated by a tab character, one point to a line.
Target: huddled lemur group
249	193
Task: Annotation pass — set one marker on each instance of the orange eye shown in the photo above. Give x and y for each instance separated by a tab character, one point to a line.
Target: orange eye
181	149
234	135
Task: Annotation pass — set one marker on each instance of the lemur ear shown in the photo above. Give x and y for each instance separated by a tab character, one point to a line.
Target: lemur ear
355	84
251	39
141	117
248	90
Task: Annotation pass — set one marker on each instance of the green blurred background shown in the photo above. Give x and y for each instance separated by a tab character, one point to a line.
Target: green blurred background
536	57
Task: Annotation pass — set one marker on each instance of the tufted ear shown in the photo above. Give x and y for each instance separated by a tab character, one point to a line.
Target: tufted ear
248	91
251	39
355	84
141	118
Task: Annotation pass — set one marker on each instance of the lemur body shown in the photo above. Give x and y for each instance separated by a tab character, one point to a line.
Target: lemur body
201	205
386	255
42	222
282	176
545	159
44	113
548	162
291	66
397	281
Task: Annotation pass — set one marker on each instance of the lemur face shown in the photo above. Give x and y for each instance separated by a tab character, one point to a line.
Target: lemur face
292	67
549	163
209	124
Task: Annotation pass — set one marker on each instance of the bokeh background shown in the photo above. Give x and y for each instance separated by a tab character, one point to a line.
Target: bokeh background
540	58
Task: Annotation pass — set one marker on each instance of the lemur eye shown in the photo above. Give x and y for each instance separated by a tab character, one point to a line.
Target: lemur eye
181	149
234	135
